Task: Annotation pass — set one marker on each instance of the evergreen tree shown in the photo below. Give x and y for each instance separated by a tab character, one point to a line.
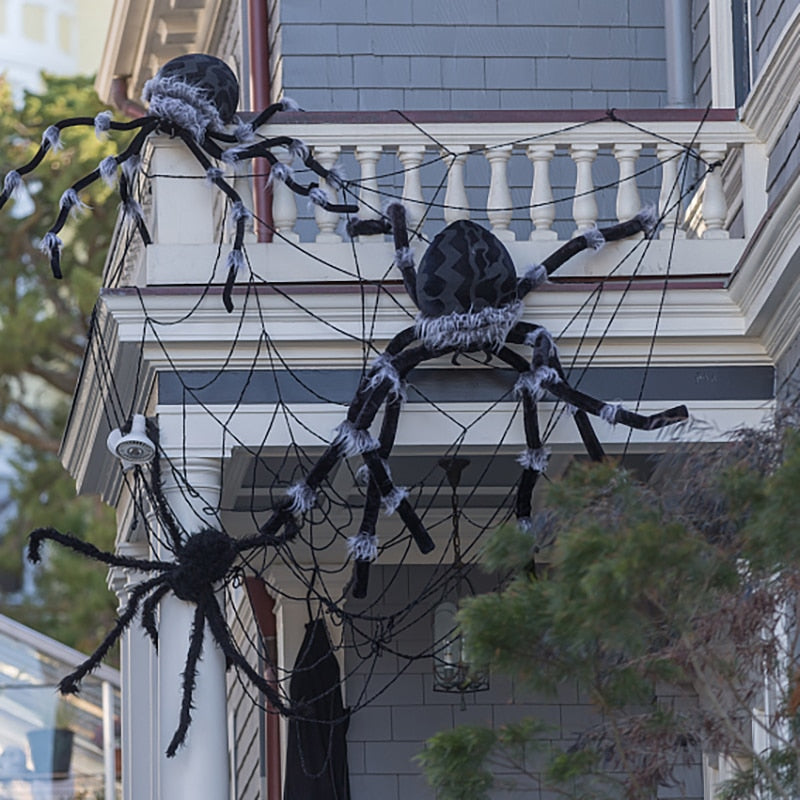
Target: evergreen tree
44	326
688	586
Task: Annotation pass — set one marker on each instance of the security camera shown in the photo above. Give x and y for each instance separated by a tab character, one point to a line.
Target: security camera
134	447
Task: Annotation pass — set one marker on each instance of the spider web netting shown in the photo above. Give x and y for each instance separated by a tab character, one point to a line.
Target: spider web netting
389	632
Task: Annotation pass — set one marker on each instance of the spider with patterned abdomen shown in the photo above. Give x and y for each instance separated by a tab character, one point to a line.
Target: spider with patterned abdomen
470	300
192	97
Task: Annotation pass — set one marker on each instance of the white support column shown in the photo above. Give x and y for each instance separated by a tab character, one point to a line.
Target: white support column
499	201
284	203
715	206
543	209
369	199
628	201
327	220
200	768
455	198
584	206
720	42
669	199
411	157
755	164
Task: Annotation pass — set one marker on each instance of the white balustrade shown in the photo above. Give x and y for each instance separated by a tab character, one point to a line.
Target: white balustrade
628	201
327	155
455	198
543	209
284	204
369	199
499	202
411	157
584	205
669	199
715	207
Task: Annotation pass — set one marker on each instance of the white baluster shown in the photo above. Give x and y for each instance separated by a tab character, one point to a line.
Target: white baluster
327	220
584	206
284	203
455	198
499	201
543	209
628	202
369	200
669	199
715	207
411	157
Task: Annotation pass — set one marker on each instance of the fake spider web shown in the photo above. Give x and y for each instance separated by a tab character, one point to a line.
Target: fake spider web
458	502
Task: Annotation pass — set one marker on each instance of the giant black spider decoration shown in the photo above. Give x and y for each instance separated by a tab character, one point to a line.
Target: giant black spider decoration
203	562
470	300
193	97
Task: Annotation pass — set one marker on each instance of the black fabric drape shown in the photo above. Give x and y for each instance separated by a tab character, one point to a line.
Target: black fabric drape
316	753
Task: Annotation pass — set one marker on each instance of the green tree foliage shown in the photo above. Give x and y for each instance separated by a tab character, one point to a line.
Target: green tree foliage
687	586
44	325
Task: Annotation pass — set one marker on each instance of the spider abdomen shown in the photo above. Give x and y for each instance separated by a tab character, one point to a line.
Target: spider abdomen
204	559
465	269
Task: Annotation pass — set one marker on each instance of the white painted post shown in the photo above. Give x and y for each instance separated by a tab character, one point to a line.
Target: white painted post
109	749
755	164
369	199
669	198
628	202
284	203
543	209
584	206
715	207
499	201
200	768
411	157
455	198
327	220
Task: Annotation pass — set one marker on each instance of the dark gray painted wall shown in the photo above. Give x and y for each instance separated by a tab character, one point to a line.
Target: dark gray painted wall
701	53
459	54
769	19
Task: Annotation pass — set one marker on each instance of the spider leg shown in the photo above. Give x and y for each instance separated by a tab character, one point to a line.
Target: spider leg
219	629
527	333
189	678
644	222
36	538
70	683
534	458
240	214
148	618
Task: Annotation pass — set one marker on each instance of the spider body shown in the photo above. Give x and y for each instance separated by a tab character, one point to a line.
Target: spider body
202	561
192	97
470	300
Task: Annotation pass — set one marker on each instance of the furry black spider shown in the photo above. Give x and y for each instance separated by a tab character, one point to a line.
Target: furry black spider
203	562
192	97
470	300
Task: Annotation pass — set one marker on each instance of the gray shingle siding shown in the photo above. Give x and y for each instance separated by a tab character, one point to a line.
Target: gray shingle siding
785	157
701	52
456	54
768	21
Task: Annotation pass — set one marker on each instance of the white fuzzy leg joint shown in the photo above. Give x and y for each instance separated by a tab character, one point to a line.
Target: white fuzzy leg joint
336	176
537	275
213	174
594	238
354	441
609	412
534	382
131	208
279	172
533	339
234	261
383	369
318	196
362	475
108	170
535	458
239	211
392	501
131	167
50	244
303	497
288	104
299	149
51	138
102	124
404	258
71	202
648	217
12	180
363	546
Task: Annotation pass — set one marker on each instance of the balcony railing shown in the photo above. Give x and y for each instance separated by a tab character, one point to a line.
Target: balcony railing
531	177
